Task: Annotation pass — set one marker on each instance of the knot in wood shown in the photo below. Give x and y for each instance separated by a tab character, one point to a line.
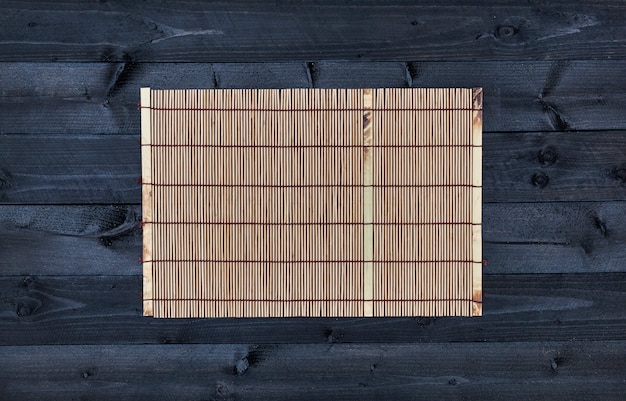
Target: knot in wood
540	180
505	31
5	179
619	174
547	156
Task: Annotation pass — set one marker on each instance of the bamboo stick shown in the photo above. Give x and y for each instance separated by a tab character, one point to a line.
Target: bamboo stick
146	195
477	105
368	206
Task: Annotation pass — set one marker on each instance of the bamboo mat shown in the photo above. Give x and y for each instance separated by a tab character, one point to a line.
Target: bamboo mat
311	202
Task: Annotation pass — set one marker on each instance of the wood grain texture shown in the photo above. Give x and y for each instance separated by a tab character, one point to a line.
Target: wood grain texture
70	240
70	169
101	98
108	310
516	371
562	237
517	167
544	167
537	237
293	30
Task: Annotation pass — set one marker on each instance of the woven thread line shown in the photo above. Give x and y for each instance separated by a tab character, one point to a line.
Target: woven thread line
275	223
338	110
263	146
306	261
313	185
315	300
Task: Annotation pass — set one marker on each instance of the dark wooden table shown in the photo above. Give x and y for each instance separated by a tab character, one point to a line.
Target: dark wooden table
554	79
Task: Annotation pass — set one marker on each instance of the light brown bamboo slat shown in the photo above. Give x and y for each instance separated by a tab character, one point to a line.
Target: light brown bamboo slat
312	202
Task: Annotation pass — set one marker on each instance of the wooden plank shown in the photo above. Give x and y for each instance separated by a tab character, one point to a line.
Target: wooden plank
101	98
562	237
239	31
538	237
554	166
520	167
84	221
527	256
70	240
38	309
577	370
70	169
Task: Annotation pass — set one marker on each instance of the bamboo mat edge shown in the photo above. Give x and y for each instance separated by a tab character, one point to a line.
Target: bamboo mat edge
146	201
477	141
